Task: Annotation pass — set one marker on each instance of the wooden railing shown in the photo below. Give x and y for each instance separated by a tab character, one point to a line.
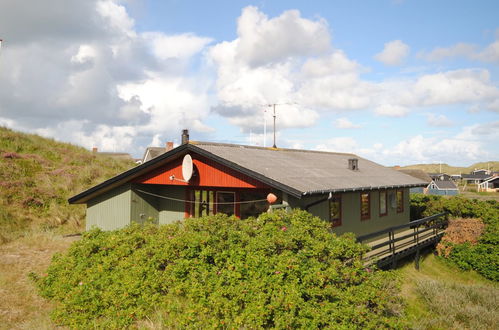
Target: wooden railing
391	244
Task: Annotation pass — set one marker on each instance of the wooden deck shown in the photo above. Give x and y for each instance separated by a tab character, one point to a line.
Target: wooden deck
394	243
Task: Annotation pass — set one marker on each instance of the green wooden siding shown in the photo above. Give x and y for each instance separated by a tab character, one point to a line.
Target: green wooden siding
144	207
171	210
110	210
350	211
117	208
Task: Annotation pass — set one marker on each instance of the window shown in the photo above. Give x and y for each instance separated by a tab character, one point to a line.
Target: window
400	201
226	202
365	206
252	209
383	205
335	211
202	203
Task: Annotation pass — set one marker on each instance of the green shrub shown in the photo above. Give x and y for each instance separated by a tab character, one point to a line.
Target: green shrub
482	257
283	270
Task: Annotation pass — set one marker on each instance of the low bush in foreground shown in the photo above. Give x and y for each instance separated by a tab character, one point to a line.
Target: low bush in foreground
283	270
482	256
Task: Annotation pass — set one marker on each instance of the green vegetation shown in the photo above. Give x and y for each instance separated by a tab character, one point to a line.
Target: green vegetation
435	168
37	175
482	256
441	296
283	270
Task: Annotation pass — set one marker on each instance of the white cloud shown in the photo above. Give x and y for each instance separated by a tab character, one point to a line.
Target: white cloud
344	123
339	144
263	41
394	53
438	120
175	46
440	53
489	53
390	110
83	69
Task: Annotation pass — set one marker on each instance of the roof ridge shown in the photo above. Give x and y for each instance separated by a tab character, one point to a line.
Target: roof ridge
195	143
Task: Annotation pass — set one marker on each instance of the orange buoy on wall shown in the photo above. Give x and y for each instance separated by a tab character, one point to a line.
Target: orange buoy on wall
271	198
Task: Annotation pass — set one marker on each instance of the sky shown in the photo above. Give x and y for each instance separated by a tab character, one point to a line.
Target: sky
398	82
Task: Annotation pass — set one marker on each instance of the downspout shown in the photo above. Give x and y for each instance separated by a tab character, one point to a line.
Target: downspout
319	201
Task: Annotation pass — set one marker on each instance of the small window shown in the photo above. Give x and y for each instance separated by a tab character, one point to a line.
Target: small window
365	206
400	201
335	211
383	205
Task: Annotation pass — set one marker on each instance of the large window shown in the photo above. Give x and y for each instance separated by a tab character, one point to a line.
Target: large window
383	209
253	203
335	211
202	203
226	202
365	206
400	201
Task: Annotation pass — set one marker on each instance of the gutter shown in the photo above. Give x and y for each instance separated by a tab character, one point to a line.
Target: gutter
321	192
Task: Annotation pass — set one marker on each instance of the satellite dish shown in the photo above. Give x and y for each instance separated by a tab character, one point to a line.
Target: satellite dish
187	168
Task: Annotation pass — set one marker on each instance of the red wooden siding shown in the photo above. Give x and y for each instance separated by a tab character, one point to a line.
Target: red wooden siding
207	174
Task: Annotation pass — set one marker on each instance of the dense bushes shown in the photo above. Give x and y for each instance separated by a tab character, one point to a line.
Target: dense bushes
283	270
483	256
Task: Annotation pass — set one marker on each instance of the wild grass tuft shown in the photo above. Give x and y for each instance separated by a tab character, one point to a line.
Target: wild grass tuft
38	175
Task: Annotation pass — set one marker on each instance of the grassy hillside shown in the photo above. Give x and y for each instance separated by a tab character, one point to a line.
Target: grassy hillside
435	168
37	175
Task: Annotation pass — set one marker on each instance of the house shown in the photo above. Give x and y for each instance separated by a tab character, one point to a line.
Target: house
153	152
474	178
439	176
481	171
491	184
200	178
442	187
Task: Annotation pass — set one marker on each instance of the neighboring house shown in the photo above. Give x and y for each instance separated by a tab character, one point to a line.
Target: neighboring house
153	152
474	178
491	184
481	171
351	193
455	177
442	187
439	176
418	174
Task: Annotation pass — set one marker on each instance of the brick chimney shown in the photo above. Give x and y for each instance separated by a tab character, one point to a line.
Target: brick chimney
185	136
169	146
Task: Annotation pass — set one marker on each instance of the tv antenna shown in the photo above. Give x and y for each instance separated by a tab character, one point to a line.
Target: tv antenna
272	105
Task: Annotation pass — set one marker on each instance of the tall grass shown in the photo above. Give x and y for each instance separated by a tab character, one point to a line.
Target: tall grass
441	296
455	306
38	175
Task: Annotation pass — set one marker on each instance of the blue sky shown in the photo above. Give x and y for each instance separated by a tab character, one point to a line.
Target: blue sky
397	82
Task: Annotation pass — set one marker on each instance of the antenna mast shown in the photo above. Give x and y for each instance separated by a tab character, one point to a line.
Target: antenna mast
274	124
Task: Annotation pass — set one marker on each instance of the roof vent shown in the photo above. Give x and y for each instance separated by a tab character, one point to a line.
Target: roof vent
353	164
185	136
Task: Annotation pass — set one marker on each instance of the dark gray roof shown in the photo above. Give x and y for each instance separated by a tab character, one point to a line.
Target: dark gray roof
297	172
445	184
418	174
309	171
475	176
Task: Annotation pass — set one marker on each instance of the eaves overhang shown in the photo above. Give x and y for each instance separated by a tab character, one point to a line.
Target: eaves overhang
367	188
